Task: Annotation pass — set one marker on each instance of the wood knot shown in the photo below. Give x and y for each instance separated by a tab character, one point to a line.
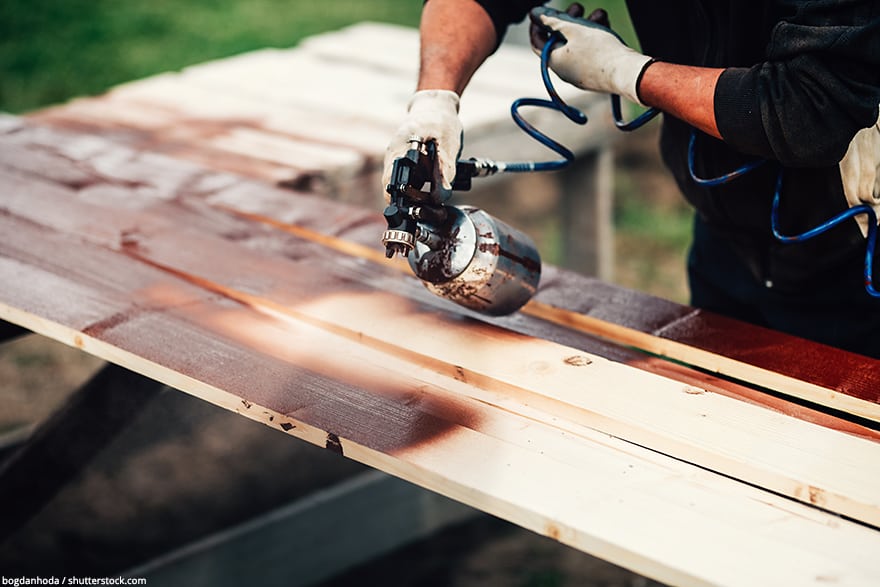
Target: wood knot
578	361
333	443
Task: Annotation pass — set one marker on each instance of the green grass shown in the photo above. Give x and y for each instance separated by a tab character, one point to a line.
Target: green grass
51	51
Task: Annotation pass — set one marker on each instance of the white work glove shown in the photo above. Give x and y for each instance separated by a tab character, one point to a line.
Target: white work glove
431	114
592	57
860	172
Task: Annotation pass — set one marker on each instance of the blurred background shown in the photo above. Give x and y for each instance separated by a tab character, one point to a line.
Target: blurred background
53	51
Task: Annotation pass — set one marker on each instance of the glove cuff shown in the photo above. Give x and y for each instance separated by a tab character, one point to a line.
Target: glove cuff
638	91
434	99
628	75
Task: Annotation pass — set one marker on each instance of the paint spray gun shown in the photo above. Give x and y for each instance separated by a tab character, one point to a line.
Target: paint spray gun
460	253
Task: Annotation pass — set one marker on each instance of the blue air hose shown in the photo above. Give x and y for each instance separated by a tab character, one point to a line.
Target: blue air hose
835	220
556	103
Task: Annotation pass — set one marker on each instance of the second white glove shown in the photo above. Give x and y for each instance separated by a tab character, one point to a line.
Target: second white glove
860	172
593	57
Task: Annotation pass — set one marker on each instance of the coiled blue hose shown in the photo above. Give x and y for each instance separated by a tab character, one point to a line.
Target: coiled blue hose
774	213
828	225
556	103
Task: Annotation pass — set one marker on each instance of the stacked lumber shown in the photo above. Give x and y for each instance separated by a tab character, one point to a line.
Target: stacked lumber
279	305
288	116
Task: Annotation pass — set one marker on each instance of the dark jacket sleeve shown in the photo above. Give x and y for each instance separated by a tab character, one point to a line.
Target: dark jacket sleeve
819	85
507	12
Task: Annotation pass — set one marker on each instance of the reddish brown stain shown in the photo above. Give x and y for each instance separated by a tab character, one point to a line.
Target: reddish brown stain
96	329
78	341
552	531
848	373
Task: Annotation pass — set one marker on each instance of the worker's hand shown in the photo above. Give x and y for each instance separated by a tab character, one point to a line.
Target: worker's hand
591	56
432	114
860	172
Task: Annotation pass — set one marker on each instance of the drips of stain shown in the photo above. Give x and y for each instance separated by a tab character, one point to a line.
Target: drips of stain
491	248
531	265
333	443
459	374
690	390
435	266
287	426
78	341
552	531
578	361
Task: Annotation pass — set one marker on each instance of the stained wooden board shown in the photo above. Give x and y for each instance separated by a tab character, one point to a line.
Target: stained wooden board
651	513
796	367
602	300
111	164
286	115
303	283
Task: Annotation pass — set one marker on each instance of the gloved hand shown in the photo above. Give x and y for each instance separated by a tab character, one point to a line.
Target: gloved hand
432	114
860	172
592	57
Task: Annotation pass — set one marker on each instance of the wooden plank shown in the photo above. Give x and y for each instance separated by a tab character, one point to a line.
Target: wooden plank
485	448
619	496
796	367
842	381
711	430
602	304
311	102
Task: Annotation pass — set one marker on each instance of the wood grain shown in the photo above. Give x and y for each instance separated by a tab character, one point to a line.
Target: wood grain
795	367
308	284
603	496
120	253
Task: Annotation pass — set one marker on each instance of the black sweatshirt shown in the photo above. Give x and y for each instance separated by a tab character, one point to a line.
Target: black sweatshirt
800	79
